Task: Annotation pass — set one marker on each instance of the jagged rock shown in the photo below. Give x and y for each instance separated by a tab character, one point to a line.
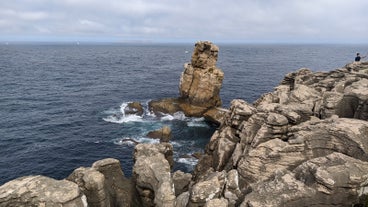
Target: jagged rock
181	181
134	108
209	188
199	87
216	115
217	202
166	106
201	81
164	134
232	190
152	175
182	200
343	135
41	191
104	184
324	181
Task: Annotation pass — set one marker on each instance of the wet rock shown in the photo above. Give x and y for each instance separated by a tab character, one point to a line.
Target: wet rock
164	134
134	108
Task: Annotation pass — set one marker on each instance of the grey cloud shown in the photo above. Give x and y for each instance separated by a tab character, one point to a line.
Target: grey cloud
243	20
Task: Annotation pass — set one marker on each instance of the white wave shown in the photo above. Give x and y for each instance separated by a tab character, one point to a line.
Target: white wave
188	161
122	107
125	141
176	116
167	117
123	119
197	124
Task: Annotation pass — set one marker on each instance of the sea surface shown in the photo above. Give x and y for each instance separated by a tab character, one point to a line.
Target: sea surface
61	104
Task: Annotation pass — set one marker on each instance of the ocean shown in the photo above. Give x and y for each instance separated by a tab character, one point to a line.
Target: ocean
61	104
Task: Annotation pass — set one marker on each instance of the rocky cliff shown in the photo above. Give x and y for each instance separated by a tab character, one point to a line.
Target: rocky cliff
304	144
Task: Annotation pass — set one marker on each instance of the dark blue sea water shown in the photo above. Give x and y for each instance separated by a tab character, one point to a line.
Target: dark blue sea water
60	105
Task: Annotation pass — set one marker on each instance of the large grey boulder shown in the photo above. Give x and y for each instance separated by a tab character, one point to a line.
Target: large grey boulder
37	191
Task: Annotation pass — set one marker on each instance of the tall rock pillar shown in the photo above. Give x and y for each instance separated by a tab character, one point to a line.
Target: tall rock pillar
201	81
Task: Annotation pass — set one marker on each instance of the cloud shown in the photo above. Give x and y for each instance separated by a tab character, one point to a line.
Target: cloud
240	20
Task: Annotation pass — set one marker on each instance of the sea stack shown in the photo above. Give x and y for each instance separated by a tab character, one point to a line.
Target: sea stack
201	81
199	87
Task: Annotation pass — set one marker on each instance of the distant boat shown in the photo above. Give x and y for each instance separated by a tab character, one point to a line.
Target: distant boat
186	51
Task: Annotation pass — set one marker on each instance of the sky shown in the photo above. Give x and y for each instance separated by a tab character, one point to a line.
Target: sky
232	21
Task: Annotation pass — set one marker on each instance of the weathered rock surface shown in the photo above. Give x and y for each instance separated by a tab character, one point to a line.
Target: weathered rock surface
269	145
104	184
200	85
41	191
152	175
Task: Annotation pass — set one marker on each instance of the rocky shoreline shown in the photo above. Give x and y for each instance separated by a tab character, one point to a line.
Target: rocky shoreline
304	144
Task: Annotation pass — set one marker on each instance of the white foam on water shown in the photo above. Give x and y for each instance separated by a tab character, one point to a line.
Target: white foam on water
176	116
123	119
197	122
147	140
188	161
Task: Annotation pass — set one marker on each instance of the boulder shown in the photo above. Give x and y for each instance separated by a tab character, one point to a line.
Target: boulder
134	108
164	134
41	191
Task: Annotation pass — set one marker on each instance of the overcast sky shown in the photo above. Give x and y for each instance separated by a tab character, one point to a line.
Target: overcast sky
312	21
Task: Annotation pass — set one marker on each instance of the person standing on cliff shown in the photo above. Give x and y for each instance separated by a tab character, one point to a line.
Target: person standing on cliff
358	58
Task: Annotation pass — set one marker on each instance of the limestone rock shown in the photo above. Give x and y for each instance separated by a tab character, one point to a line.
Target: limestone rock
152	174
201	81
104	184
324	181
216	115
41	191
211	187
181	181
217	202
199	87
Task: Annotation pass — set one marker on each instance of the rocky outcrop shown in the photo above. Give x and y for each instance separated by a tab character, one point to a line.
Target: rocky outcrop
152	175
271	144
201	81
134	108
41	191
200	84
164	134
104	184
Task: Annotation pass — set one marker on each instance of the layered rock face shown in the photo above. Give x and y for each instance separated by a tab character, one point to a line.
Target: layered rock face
104	184
305	144
200	85
201	81
41	191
